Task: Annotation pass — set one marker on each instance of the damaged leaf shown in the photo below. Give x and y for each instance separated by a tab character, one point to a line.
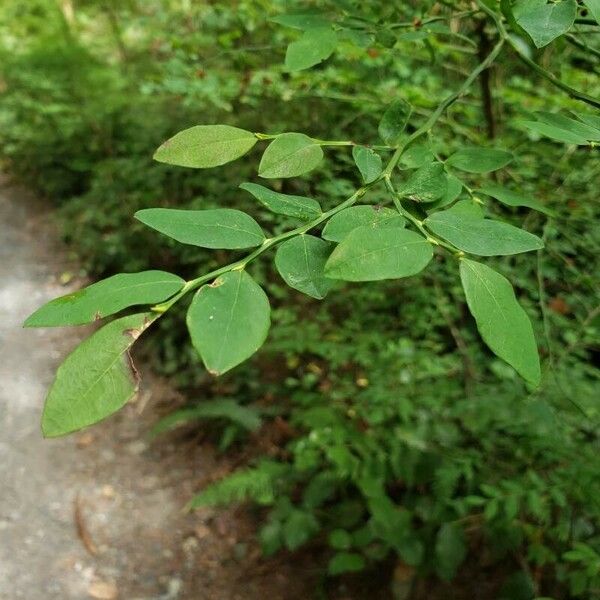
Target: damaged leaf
96	379
105	298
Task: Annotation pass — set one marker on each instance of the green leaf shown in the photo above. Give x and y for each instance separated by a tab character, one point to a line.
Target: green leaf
426	184
105	298
315	45
512	198
450	550
290	155
545	21
563	129
96	379
479	160
483	237
301	262
345	562
225	228
228	321
454	188
221	408
270	537
416	155
284	204
361	215
340	539
368	163
205	146
586	131
554	133
368	254
301	21
594	7
589	119
467	208
298	528
502	323
394	121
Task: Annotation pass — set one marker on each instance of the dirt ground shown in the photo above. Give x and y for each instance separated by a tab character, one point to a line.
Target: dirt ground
100	514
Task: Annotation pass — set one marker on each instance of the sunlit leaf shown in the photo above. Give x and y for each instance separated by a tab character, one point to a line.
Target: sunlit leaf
205	146
290	155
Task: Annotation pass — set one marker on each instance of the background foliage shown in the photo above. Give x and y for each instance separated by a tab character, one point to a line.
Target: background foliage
378	424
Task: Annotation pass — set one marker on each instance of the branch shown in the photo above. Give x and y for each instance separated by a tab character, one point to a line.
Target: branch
385	176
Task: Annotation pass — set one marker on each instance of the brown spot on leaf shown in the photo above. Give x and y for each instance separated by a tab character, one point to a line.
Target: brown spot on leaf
216	283
136	374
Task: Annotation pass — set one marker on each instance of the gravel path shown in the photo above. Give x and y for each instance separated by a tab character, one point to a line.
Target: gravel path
99	514
107	482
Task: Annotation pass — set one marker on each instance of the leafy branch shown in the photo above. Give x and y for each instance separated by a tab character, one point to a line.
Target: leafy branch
572	92
229	315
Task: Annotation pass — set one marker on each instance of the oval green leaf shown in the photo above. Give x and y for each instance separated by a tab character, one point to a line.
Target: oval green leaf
545	21
228	321
427	184
368	163
96	379
479	160
368	254
301	262
361	215
284	204
205	146
225	228
450	550
346	562
105	298
483	237
290	155
394	121
315	45
502	323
